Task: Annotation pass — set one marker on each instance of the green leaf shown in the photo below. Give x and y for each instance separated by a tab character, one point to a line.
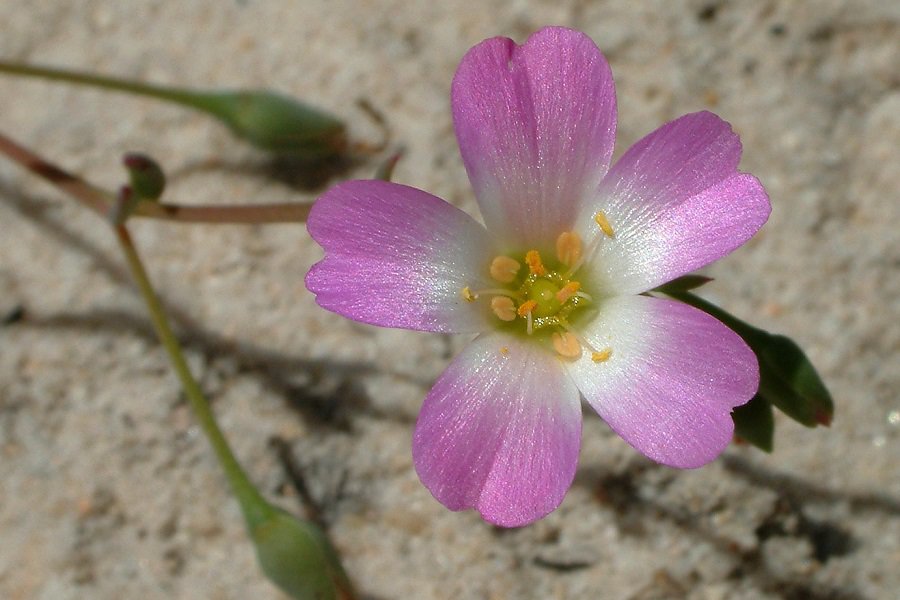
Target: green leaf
685	283
788	380
792	383
754	423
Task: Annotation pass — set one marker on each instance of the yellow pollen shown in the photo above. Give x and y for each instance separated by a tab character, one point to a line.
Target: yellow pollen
526	307
535	265
566	344
504	269
568	248
468	295
567	291
504	350
503	308
602	356
601	220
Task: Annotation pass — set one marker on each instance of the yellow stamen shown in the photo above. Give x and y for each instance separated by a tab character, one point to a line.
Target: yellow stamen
504	350
602	356
601	220
504	308
504	269
566	344
526	307
535	265
568	248
468	295
567	291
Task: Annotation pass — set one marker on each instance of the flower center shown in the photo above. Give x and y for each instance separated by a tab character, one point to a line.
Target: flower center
542	300
543	292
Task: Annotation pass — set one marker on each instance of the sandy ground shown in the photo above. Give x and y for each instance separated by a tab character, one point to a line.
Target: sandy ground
110	491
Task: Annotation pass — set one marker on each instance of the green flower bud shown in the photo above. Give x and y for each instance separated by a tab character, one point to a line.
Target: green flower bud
275	123
147	180
297	556
267	120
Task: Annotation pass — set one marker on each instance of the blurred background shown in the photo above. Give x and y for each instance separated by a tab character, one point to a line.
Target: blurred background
107	487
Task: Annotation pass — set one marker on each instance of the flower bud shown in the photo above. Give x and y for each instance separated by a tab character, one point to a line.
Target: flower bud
297	557
276	123
147	180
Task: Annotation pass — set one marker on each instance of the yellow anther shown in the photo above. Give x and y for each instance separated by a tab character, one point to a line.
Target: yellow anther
567	291
504	350
602	356
526	307
601	220
504	308
566	344
568	248
535	265
468	295
504	269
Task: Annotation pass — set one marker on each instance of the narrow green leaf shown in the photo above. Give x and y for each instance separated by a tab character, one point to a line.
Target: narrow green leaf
788	380
685	283
809	400
754	423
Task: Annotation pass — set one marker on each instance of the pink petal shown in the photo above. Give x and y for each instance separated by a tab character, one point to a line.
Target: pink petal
536	125
396	256
500	431
676	203
673	377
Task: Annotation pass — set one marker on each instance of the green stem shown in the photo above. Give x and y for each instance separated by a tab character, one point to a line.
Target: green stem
198	100
99	201
254	507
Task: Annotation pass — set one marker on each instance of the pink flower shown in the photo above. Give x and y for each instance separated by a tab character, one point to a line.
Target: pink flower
554	283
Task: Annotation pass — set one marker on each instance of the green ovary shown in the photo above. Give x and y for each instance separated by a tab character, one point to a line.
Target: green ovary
544	293
535	298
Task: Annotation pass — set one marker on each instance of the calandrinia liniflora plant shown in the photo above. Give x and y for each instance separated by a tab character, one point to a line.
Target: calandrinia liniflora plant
562	286
558	283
